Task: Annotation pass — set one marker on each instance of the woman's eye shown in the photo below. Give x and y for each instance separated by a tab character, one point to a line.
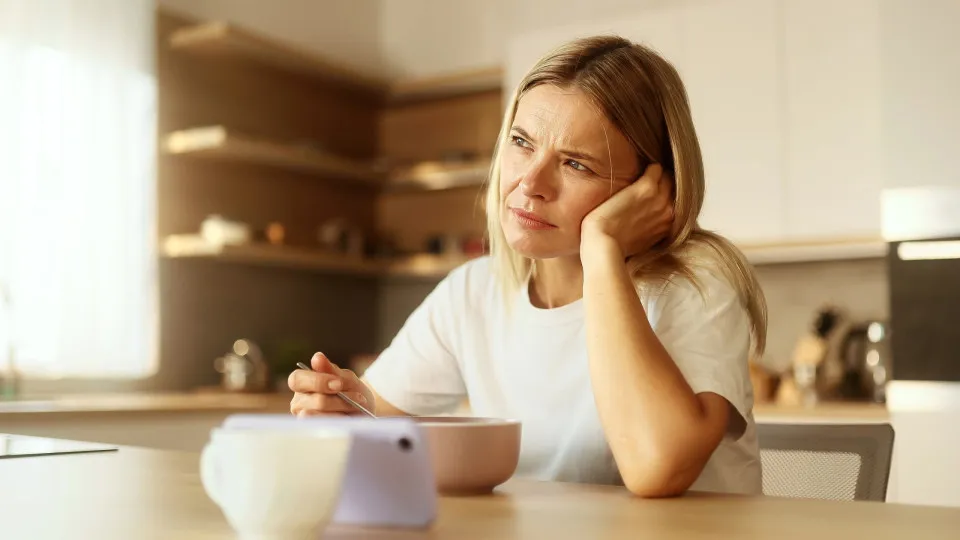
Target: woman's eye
521	142
577	165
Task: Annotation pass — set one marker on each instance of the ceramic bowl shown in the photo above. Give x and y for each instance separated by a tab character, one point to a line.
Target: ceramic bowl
471	455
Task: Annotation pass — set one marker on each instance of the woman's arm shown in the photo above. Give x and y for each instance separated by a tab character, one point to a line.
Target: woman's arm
382	407
660	432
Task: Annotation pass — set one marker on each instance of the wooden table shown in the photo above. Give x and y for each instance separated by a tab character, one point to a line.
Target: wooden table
147	494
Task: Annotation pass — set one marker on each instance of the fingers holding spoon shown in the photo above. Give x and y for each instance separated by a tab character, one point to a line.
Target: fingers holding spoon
343	396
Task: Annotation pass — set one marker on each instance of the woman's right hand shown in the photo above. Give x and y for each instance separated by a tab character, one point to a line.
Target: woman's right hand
315	392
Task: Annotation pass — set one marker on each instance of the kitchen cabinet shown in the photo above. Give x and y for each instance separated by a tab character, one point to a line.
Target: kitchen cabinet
921	82
831	72
730	65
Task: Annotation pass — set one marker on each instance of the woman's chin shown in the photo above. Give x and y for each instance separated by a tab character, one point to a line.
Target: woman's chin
532	249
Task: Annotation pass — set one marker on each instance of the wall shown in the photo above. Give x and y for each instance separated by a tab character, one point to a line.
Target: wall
461	35
795	291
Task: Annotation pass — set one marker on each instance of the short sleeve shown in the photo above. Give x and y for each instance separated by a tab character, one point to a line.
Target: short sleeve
418	372
708	336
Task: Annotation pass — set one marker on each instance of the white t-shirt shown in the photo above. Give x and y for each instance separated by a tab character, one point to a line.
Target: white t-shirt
531	364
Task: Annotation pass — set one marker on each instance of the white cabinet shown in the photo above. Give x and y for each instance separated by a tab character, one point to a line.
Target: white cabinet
921	92
786	99
831	71
730	66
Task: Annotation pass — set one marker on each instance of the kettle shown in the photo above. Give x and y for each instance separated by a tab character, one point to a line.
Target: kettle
865	353
243	369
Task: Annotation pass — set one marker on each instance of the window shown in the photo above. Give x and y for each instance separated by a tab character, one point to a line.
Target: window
77	188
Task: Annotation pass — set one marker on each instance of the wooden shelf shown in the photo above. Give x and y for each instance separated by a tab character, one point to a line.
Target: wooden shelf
216	142
423	266
852	249
220	39
191	246
437	175
446	86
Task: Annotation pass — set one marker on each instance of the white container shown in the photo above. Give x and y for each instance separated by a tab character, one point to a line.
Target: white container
219	231
272	485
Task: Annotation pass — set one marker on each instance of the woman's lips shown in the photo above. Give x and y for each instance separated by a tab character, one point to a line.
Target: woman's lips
531	221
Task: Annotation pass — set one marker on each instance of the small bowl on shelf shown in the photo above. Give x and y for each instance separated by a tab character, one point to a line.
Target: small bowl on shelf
471	455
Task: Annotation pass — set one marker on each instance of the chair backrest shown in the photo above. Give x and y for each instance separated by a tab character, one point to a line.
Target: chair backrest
848	462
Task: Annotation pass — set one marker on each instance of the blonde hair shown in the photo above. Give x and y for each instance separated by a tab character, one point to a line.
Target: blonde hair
641	94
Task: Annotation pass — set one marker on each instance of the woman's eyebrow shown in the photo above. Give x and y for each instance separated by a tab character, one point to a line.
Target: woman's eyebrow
579	155
522	132
573	153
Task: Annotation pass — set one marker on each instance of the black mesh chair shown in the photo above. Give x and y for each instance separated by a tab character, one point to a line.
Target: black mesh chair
842	462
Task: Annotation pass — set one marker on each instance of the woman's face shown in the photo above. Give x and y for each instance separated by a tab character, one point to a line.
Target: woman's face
563	159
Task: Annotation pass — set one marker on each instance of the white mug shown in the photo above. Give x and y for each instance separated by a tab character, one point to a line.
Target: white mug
272	484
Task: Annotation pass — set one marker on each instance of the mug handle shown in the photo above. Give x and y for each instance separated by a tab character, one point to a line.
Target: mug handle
209	475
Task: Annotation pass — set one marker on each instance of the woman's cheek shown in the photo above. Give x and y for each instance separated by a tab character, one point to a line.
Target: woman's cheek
586	199
509	178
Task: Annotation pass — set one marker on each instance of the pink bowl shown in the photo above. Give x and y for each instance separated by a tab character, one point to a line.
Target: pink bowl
471	455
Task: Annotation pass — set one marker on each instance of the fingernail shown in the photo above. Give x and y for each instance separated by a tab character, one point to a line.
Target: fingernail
335	385
363	399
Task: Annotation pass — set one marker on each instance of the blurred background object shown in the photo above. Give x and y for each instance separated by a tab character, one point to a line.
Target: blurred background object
244	369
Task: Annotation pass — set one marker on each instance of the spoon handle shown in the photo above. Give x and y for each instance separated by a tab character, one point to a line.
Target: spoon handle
343	396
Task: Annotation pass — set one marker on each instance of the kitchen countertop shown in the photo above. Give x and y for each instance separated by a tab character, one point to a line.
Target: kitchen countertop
210	400
138	493
827	412
200	401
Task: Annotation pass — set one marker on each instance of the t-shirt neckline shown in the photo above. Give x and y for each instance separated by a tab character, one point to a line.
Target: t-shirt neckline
566	314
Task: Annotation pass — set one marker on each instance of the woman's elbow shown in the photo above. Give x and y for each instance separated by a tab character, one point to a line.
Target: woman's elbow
661	478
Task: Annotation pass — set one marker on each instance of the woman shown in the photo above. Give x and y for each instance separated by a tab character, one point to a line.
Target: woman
605	319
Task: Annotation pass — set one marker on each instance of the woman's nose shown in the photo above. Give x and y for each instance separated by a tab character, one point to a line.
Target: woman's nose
538	182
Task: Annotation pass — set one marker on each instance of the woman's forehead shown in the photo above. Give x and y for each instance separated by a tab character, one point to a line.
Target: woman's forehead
566	117
561	113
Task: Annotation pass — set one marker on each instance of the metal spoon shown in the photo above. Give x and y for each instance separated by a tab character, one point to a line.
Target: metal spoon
343	396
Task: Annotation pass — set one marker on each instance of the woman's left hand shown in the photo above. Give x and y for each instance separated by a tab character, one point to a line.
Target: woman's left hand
635	218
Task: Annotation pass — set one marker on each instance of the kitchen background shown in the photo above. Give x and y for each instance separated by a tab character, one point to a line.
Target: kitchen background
320	164
793	102
790	126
